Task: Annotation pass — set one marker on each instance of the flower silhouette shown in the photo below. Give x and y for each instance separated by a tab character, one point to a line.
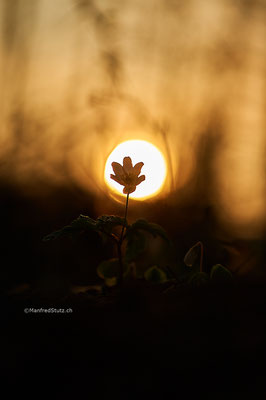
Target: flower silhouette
127	175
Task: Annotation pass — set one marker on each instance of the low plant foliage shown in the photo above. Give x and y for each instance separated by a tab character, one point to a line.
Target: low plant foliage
136	237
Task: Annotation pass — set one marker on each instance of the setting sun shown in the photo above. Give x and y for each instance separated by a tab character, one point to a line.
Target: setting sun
154	167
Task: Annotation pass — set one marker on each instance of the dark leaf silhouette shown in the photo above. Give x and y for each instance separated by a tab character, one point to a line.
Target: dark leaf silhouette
103	224
220	274
108	270
199	278
81	224
136	245
193	255
155	275
106	223
154	229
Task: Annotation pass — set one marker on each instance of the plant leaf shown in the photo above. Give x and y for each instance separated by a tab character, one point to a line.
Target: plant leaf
106	223
199	278
136	244
103	224
220	274
110	281
154	229
192	255
81	224
109	269
155	275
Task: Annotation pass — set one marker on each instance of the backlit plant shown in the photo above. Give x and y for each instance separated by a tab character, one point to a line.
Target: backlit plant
135	236
113	271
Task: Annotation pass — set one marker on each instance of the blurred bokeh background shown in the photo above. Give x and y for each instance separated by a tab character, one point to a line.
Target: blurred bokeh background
80	76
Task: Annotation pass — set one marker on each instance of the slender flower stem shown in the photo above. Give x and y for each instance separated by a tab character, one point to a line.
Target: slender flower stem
119	244
125	221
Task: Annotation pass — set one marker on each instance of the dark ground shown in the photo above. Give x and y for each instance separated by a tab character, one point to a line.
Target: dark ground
188	341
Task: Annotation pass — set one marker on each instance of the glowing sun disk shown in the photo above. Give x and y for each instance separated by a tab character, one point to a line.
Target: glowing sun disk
154	167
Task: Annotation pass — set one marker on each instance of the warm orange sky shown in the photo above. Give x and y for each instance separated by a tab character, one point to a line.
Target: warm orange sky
78	77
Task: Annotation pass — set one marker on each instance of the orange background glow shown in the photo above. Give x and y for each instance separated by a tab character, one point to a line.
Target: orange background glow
79	77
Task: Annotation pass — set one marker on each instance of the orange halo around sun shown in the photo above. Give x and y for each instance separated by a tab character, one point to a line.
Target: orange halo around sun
154	168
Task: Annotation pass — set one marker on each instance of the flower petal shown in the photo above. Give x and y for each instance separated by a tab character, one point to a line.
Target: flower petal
118	169
129	189
137	168
127	165
140	179
118	179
